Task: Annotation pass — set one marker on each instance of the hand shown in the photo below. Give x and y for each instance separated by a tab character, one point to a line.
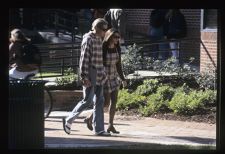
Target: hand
124	82
86	83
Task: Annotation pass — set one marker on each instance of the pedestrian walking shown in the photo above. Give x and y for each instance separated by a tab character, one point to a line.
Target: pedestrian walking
112	64
93	77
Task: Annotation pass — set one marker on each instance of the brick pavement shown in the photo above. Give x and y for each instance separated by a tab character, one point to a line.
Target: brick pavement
133	131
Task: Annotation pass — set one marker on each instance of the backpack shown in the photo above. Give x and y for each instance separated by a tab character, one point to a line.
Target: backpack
30	54
107	17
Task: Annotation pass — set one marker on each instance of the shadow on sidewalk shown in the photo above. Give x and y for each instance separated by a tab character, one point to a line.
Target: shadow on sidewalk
78	143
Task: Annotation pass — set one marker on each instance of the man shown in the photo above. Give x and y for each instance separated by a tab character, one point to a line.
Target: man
93	77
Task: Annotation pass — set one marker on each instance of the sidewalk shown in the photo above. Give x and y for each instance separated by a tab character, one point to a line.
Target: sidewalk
146	133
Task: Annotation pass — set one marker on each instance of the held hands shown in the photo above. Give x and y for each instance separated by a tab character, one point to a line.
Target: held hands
86	83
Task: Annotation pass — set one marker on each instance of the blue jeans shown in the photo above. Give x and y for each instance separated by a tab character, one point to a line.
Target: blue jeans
174	49
98	112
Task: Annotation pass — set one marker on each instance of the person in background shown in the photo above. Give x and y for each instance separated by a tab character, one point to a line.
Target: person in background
117	19
156	33
18	67
175	28
112	64
98	13
93	77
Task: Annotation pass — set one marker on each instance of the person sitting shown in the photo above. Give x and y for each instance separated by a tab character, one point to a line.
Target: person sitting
19	67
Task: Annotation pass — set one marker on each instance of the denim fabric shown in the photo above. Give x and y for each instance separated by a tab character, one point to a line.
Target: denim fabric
174	49
94	92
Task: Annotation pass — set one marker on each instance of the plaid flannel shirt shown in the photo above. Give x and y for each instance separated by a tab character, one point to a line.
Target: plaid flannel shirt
91	56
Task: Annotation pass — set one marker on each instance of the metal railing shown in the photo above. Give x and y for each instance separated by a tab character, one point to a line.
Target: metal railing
57	57
63	55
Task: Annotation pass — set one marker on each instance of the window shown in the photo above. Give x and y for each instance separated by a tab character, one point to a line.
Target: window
209	19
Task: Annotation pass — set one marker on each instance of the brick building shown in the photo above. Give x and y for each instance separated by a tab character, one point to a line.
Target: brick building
208	52
201	34
201	41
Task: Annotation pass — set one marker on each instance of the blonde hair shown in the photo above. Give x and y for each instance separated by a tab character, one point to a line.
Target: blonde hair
99	23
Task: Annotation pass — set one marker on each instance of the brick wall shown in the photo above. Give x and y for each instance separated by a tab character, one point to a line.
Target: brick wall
138	21
208	59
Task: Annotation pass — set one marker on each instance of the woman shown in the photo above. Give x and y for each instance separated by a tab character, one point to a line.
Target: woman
18	68
112	64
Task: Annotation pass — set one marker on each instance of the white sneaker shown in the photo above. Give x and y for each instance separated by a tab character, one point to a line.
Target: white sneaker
103	133
66	128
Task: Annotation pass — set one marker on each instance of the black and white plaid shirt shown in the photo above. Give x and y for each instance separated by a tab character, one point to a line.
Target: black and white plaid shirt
91	56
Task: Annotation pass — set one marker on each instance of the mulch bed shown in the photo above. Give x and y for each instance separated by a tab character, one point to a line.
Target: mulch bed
209	117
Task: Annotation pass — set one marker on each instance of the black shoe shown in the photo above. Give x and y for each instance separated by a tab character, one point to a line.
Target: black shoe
89	123
113	130
65	127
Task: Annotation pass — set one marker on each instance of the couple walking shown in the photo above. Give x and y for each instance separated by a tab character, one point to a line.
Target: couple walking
100	67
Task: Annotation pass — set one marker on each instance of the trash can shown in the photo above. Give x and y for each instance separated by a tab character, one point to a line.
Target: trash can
26	114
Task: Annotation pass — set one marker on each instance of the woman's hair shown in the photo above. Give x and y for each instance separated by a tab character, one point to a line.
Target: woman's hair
108	36
109	33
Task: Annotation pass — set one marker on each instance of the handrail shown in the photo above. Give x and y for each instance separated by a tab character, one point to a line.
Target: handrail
74	48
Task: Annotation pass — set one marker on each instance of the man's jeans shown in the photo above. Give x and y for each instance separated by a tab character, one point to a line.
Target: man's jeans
98	113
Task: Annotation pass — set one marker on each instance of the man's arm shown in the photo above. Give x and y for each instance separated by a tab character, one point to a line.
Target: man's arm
85	61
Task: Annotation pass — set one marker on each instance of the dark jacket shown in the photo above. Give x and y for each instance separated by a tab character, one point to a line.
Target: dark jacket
175	26
157	17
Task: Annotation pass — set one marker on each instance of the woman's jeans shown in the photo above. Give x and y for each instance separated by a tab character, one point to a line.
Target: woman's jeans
98	113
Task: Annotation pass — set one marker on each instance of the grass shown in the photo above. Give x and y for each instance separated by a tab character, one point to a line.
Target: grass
45	74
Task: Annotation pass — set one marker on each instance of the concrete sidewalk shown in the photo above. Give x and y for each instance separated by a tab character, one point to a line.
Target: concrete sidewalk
144	133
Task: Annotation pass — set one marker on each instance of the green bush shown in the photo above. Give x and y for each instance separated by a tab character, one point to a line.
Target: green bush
148	87
189	102
158	101
69	78
131	59
128	100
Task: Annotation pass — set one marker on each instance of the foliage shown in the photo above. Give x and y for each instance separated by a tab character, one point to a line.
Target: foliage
206	80
148	87
69	78
158	101
188	102
171	66
128	100
131	59
154	97
134	83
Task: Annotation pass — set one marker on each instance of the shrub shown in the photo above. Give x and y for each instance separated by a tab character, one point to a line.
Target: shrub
206	80
148	87
158	101
128	100
131	59
69	78
188	103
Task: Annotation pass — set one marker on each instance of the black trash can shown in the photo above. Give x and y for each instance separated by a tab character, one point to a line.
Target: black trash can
26	114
